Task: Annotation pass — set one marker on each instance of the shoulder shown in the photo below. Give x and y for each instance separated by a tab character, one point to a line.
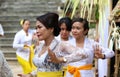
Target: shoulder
58	38
92	42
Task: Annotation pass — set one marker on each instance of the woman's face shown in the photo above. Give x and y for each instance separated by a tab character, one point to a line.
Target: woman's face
78	30
64	33
26	25
42	32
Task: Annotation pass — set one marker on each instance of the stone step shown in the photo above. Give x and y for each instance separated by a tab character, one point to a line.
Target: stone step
6	40
15	24
11	59
6	50
27	10
17	18
13	21
23	14
10	53
27	0
5	46
15	29
10	25
9	33
40	4
30	6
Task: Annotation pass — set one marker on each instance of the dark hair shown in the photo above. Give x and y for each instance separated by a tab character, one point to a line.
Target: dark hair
50	20
67	21
84	21
25	20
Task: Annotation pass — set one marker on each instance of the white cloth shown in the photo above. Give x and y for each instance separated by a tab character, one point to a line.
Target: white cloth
103	40
20	40
1	30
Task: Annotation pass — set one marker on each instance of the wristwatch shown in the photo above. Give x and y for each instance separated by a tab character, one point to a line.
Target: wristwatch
64	59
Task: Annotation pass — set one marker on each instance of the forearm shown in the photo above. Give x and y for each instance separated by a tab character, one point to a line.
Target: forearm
108	53
76	56
15	45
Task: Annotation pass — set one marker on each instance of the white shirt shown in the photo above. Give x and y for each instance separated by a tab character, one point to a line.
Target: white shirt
20	40
1	30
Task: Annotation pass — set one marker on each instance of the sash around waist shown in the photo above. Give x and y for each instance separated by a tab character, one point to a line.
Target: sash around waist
50	74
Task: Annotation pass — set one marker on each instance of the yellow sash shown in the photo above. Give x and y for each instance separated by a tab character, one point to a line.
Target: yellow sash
50	74
27	66
31	55
75	70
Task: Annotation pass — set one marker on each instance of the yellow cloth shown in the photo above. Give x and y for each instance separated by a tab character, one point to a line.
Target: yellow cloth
31	56
27	66
50	74
75	70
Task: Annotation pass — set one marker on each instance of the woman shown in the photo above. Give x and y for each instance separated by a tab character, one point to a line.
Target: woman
22	42
46	29
82	68
65	25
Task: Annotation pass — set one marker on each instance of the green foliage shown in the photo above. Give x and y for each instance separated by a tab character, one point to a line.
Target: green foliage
92	25
97	12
